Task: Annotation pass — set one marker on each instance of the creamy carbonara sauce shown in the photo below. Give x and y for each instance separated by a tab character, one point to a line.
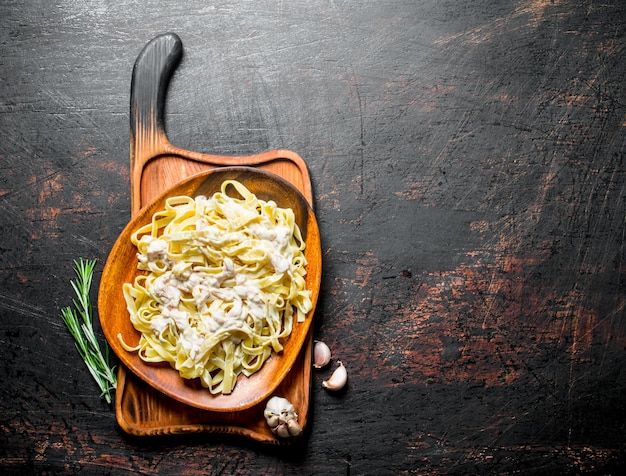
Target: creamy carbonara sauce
224	279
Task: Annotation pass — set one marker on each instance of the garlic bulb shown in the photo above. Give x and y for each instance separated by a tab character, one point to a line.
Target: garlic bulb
281	417
321	355
338	379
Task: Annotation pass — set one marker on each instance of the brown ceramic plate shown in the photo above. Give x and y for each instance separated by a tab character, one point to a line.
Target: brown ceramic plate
121	267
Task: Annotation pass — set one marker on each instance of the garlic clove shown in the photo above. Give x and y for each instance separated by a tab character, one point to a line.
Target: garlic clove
294	428
272	420
321	355
281	417
282	430
338	379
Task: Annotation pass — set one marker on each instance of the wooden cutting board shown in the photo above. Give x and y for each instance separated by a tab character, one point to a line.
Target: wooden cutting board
156	165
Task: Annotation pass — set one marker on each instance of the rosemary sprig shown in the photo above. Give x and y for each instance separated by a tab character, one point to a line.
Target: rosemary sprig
79	321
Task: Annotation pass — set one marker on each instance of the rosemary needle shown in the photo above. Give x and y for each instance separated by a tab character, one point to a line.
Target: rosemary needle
79	321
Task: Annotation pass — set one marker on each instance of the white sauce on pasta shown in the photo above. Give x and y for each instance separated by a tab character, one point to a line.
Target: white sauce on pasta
224	279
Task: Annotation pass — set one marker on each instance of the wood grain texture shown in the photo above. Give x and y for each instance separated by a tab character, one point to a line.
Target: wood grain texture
157	168
250	392
468	167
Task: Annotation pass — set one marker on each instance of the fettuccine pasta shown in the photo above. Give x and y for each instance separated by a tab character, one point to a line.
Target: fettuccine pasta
223	282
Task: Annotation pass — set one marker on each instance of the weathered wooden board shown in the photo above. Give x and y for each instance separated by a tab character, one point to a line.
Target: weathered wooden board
468	168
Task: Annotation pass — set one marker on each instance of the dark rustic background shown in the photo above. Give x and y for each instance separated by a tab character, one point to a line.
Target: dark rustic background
468	162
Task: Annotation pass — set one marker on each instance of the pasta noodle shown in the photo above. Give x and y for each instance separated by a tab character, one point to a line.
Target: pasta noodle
225	278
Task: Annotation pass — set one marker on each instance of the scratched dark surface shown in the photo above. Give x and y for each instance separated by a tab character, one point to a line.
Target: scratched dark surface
469	169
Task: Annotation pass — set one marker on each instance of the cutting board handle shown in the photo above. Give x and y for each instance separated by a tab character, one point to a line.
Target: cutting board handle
151	74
